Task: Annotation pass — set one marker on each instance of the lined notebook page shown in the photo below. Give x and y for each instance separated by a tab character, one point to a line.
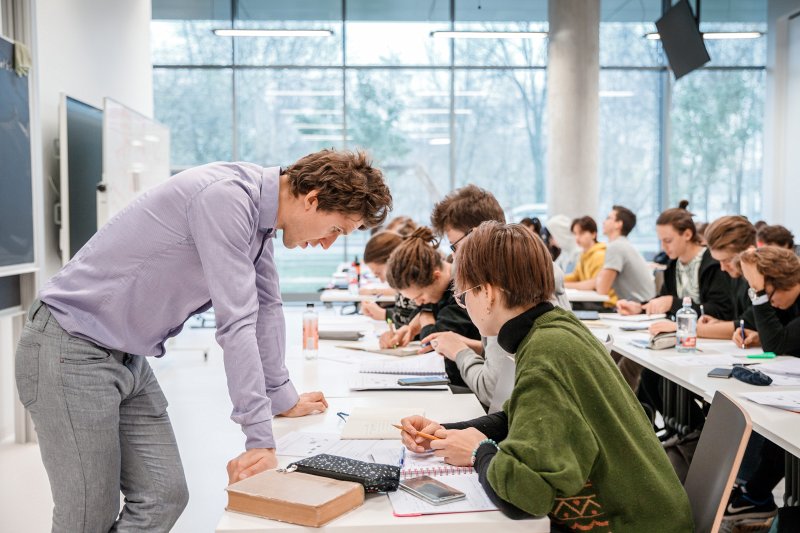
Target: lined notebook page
404	504
386	382
429	364
376	422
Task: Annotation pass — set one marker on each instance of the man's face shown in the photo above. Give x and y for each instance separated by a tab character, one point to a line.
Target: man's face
309	226
424	295
453	235
610	224
728	262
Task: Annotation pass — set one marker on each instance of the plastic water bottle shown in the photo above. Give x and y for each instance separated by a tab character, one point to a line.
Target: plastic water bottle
310	332
686	320
354	277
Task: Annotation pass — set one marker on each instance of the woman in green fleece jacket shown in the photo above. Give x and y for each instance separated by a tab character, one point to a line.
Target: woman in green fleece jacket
572	442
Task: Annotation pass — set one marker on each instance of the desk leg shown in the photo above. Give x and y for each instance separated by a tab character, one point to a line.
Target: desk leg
791	496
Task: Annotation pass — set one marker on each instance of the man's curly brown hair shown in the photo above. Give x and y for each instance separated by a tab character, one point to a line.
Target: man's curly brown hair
346	182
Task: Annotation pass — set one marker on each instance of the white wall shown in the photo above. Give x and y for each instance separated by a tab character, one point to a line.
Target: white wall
781	174
87	49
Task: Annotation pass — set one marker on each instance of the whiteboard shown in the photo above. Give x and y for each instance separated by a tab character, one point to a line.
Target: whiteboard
135	157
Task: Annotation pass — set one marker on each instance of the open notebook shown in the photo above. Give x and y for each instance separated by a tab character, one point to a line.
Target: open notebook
397	352
376	422
429	364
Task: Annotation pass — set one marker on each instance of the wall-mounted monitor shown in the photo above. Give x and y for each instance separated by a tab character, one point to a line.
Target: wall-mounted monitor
16	186
81	162
135	157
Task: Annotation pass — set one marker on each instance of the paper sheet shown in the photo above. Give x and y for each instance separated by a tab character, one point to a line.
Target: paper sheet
376	422
632	318
789	400
301	444
420	365
404	504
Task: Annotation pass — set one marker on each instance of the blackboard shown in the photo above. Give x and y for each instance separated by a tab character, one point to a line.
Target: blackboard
16	195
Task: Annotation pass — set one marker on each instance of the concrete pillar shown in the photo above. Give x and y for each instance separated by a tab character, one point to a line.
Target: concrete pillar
573	107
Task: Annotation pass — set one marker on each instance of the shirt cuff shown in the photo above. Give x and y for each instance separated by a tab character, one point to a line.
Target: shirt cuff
283	398
259	435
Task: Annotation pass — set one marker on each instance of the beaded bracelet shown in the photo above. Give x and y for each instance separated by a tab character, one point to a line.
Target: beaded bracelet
481	443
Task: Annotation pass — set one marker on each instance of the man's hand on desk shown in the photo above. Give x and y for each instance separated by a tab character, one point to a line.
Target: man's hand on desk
628	307
250	463
309	403
659	305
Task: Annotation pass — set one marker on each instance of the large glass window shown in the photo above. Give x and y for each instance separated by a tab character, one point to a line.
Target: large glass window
437	113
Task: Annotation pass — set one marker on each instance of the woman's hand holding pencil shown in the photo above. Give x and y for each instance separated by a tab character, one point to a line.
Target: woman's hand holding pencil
418	432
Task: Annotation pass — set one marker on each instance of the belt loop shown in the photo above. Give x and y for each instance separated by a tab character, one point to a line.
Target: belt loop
34	309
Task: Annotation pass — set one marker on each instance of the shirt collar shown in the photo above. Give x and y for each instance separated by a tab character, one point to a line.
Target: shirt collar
515	330
268	204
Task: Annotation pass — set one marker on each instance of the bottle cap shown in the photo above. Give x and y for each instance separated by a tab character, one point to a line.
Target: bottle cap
309	306
687	300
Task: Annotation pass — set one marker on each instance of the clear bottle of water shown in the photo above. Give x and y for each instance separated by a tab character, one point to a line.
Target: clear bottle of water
310	332
686	320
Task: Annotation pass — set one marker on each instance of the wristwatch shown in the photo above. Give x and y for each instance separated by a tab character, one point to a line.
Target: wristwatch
758	297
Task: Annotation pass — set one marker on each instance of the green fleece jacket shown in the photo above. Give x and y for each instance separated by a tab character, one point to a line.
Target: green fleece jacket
579	446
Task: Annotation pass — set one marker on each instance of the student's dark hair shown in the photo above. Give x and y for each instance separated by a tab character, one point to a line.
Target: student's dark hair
680	219
626	216
586	223
402	224
464	209
779	266
495	253
532	223
732	233
380	247
346	183
776	235
414	261
760	224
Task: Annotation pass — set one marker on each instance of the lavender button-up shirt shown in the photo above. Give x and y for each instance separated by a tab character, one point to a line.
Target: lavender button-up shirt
202	238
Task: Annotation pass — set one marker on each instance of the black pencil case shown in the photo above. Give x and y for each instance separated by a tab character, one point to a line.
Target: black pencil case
375	477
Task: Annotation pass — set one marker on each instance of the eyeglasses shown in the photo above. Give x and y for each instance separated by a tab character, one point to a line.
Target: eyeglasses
461	297
453	246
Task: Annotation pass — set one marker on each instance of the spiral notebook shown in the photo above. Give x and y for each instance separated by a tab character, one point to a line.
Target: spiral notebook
429	364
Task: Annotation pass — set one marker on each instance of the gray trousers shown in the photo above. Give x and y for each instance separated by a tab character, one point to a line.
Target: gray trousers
103	427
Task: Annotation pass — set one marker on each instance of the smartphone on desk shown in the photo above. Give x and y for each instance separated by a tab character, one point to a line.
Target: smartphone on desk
723	373
431	490
423	380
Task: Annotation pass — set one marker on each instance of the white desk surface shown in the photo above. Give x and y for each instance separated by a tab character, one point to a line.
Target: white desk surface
576	295
330	373
343	296
781	427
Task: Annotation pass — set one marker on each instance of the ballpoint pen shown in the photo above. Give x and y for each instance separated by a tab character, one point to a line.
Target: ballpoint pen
741	328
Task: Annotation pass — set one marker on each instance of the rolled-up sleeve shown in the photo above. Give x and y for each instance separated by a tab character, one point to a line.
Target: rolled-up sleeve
222	223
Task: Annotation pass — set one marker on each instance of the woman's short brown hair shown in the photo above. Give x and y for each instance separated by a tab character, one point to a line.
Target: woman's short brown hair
346	183
401	224
680	219
776	235
508	257
414	262
733	233
381	246
779	266
586	223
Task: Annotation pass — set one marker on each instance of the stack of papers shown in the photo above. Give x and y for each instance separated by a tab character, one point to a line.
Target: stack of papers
789	400
632	318
429	364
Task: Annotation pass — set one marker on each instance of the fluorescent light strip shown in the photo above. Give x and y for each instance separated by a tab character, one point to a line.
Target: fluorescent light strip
304	93
489	34
439	142
716	35
272	33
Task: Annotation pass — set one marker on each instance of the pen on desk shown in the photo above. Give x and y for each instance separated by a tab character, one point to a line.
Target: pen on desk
391	328
419	433
741	328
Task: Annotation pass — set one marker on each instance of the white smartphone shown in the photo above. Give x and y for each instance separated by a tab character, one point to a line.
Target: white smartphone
431	490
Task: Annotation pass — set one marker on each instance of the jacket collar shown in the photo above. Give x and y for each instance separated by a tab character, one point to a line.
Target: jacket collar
515	330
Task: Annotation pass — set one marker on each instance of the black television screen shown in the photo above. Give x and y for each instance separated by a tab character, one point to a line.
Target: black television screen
682	40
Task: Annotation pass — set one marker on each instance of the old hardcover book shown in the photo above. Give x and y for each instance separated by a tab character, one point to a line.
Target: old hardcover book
294	497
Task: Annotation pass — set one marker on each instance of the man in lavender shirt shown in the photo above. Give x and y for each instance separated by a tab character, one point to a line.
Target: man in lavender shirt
203	238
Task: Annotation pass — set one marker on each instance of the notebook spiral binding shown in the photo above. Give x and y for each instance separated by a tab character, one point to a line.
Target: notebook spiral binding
446	470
